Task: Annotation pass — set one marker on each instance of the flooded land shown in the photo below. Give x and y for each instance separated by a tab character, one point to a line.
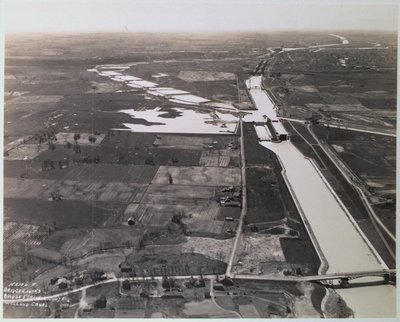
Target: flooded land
237	175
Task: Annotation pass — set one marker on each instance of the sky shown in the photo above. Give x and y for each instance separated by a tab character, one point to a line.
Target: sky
197	15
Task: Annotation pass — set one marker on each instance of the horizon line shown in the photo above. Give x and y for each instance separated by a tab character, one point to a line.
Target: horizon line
322	30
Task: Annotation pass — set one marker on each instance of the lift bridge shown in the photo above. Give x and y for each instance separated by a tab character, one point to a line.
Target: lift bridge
343	279
334	280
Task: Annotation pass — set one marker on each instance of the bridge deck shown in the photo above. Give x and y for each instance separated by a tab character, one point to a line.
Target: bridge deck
324	277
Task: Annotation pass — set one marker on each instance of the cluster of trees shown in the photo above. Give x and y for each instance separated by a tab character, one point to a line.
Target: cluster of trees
52	165
177	218
88	159
277	74
126	285
101	302
43	136
167	283
48	164
193	282
112	132
149	160
50	137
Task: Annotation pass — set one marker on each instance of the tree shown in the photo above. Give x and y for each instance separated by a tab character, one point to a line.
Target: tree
220	256
77	136
170	180
177	219
254	228
171	283
92	138
149	160
141	243
77	148
126	285
45	165
101	302
165	283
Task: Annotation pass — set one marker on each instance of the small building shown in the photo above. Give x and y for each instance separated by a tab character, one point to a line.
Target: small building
64	306
280	131
218	287
131	221
96	276
226	281
53	280
173	295
200	283
230	203
87	308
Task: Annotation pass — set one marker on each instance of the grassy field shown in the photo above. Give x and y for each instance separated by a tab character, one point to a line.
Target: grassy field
205	176
65	214
270	204
175	264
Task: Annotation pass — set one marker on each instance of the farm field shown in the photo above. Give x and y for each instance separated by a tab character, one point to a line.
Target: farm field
111	180
206	176
122	169
358	88
272	218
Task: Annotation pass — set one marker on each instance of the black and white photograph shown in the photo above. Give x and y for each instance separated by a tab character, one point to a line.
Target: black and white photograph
188	159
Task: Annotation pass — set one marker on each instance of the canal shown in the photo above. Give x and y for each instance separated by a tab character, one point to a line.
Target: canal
337	238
